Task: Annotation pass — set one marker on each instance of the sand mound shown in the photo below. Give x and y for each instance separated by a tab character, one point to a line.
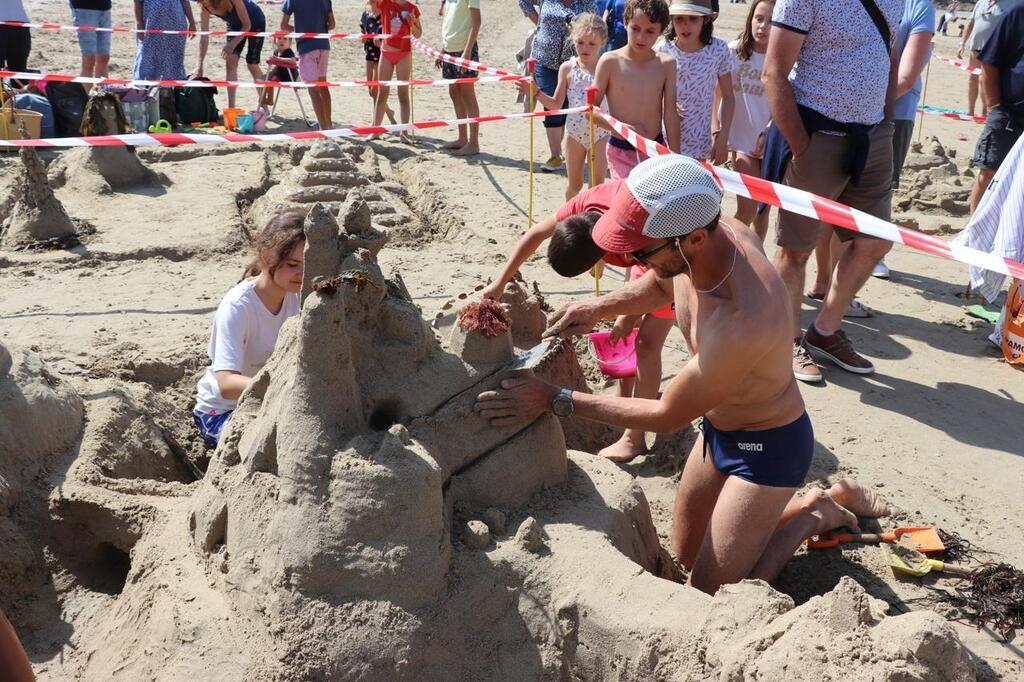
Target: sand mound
31	214
103	170
40	415
932	183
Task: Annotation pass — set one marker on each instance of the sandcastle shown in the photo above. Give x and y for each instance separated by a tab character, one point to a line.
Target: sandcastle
329	171
102	170
360	521
932	182
30	214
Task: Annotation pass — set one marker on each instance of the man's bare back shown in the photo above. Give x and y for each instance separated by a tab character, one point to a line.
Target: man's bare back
752	300
636	88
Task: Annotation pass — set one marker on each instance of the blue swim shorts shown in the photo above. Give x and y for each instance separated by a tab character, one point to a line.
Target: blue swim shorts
93	42
211	425
779	457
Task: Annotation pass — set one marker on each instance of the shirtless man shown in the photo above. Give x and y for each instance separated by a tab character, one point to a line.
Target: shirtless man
640	84
736	515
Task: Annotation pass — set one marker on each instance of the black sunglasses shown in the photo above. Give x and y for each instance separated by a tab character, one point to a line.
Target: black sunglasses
642	256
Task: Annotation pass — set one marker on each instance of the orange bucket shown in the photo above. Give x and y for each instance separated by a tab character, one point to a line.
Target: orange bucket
231	117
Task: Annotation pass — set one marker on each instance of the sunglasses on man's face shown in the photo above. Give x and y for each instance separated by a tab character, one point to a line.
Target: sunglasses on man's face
643	256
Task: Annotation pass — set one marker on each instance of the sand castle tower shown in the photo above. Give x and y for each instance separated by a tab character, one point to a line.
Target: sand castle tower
36	214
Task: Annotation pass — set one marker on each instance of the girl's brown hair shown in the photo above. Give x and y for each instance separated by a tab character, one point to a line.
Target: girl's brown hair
746	44
276	240
707	30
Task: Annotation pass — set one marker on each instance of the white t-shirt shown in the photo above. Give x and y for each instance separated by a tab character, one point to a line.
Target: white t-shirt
697	73
13	10
242	340
752	112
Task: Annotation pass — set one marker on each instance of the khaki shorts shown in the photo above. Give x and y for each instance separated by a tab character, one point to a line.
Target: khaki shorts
819	170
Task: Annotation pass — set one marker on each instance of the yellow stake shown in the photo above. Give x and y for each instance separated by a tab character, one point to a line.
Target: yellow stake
412	101
529	218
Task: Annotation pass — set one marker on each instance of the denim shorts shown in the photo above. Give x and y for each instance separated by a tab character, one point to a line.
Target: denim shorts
93	42
547	81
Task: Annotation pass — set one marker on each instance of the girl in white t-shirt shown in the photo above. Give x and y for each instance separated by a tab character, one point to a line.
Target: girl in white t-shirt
248	319
746	136
703	63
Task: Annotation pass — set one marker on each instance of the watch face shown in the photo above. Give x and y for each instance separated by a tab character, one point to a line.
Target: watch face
561	406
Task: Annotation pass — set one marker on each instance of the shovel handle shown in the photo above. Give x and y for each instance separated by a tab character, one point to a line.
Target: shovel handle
830	540
954	570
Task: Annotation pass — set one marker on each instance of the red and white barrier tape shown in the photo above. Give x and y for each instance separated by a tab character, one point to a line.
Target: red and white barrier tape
171	139
963	66
49	26
953	115
68	78
468	64
829	211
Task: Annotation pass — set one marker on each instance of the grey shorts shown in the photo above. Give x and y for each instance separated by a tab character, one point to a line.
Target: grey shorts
819	170
1002	129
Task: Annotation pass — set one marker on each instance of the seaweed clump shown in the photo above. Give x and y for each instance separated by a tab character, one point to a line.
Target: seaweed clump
487	317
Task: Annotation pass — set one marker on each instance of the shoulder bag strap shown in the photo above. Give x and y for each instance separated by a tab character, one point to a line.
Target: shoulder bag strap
880	23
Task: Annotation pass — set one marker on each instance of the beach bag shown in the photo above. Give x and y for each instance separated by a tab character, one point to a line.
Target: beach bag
166	105
1013	326
196	105
103	115
68	101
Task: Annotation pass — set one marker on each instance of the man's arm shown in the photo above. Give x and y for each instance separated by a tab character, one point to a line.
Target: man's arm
783	48
966	37
640	296
330	21
706	381
669	106
912	62
990	85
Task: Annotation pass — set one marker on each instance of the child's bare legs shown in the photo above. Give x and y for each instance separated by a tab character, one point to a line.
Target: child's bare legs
576	162
746	209
385	71
321	106
600	162
403	71
649	342
371	75
472	109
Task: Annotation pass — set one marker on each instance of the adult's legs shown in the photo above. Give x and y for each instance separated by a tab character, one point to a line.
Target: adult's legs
102	67
981	183
231	74
696	495
792	267
455	92
823	262
746	209
257	75
649	343
576	160
851	272
88	65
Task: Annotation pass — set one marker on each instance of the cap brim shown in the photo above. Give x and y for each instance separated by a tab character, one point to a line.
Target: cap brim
689	11
610	236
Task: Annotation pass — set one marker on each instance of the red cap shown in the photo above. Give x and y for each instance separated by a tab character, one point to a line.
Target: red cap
620	229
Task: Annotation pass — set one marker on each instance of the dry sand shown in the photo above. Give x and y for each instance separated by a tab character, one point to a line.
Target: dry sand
104	566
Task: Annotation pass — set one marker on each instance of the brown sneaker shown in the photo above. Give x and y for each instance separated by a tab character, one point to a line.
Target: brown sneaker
804	367
837	348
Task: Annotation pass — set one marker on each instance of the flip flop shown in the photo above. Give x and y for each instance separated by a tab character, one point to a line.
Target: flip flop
982	313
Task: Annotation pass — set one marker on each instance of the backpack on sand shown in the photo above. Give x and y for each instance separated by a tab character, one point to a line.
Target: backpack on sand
195	105
68	103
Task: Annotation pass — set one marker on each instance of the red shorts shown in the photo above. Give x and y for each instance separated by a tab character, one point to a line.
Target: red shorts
665	312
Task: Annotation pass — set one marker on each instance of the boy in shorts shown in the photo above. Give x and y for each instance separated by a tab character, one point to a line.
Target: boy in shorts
459	31
312	16
640	85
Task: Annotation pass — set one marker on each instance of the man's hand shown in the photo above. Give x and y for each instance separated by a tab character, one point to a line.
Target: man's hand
572	320
518	401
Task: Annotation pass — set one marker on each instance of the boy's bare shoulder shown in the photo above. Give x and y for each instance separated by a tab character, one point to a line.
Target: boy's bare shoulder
610	58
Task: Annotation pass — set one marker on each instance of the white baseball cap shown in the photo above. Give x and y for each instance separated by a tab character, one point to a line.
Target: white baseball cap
664	197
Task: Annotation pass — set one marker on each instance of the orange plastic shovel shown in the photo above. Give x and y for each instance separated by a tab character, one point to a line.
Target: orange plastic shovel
922	538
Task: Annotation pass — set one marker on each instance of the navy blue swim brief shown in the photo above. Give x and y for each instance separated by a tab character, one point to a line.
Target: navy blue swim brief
779	457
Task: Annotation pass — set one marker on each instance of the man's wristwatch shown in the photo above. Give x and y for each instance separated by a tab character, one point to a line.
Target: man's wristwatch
561	404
